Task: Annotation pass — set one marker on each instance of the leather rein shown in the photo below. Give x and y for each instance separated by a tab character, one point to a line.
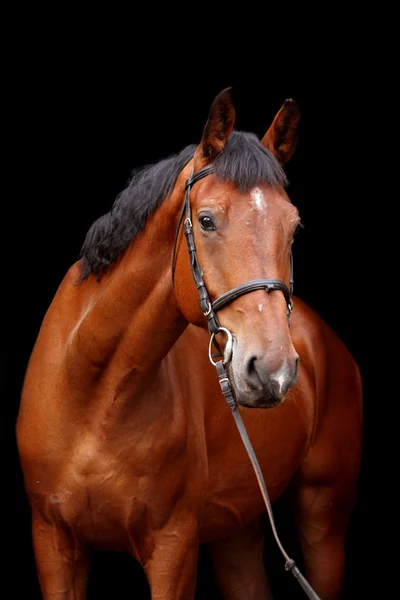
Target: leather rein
209	310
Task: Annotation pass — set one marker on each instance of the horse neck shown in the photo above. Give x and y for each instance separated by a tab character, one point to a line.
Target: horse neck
133	318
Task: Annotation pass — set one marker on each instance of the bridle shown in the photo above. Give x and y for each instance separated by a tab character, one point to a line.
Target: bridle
209	310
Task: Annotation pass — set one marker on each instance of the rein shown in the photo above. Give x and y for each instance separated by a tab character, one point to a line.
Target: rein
209	309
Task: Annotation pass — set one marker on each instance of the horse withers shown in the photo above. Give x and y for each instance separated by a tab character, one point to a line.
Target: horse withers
124	438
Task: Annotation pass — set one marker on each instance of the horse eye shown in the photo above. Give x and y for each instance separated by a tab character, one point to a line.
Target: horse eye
207	223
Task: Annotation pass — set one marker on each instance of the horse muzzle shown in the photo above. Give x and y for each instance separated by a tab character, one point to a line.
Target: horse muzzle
262	381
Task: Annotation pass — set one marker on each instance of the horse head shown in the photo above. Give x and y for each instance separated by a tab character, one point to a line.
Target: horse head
242	225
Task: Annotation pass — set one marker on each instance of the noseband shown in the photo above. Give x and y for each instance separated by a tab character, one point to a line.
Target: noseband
210	308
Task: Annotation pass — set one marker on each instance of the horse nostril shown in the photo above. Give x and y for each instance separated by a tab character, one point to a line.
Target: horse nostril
260	373
251	371
296	367
285	378
250	365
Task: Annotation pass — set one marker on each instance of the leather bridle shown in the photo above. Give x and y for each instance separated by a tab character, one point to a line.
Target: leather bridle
209	310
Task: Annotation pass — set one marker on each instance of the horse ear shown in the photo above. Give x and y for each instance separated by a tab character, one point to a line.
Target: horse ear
281	137
217	130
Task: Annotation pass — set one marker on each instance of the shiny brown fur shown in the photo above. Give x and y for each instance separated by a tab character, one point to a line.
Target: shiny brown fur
124	437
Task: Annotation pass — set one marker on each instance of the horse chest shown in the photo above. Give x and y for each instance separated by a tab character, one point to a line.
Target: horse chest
108	498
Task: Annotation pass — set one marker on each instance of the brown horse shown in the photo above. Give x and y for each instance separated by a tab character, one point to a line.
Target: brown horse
124	437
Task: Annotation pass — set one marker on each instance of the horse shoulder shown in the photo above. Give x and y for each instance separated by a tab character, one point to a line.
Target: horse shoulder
335	445
46	384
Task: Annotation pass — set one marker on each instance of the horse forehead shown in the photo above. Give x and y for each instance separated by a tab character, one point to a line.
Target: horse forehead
263	194
259	199
266	201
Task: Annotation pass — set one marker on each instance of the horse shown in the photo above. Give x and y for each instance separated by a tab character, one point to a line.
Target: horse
123	436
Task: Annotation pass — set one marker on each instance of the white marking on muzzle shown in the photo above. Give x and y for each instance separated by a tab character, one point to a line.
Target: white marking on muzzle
281	380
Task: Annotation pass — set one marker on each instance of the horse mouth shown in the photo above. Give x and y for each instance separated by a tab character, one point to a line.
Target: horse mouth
249	397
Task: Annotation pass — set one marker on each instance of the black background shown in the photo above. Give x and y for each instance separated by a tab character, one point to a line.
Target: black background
83	113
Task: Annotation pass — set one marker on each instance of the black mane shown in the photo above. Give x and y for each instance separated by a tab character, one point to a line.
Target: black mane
244	161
